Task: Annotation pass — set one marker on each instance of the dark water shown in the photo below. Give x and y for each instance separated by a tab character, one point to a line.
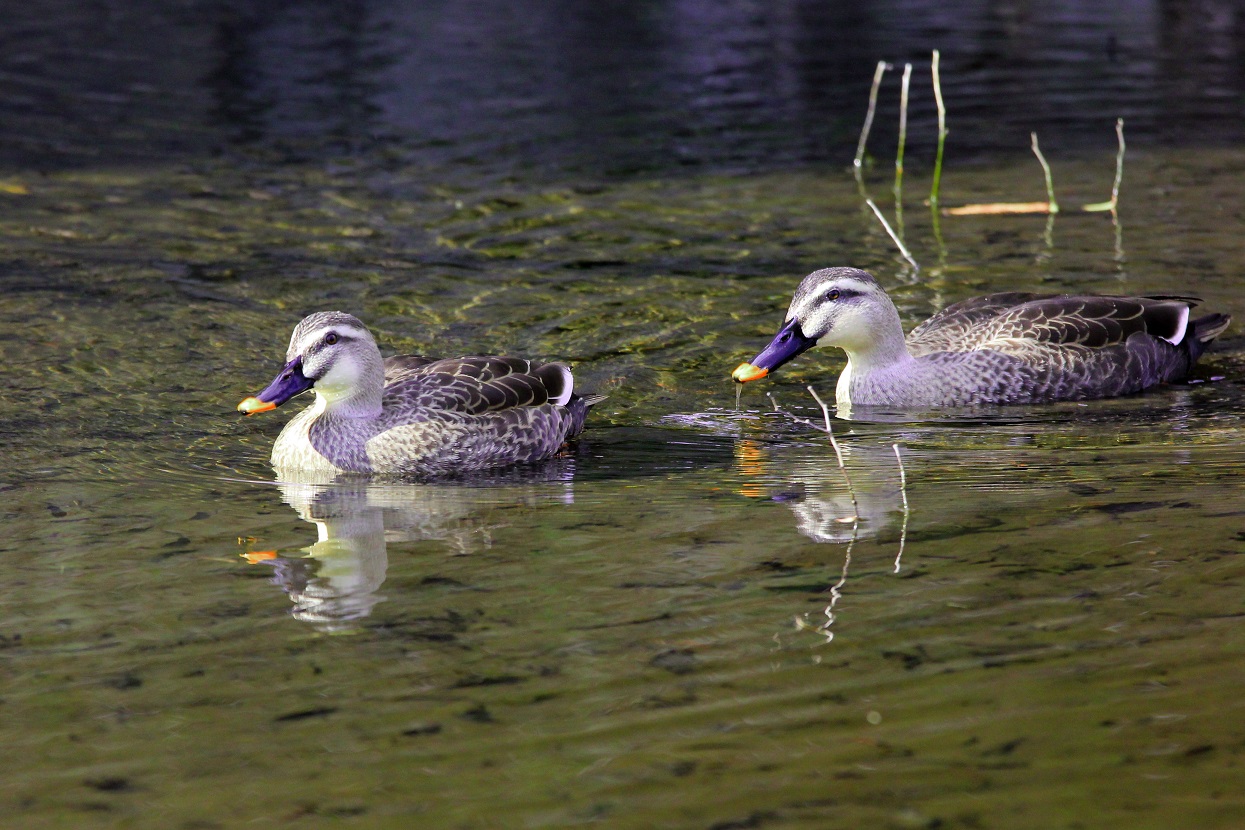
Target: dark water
694	620
607	88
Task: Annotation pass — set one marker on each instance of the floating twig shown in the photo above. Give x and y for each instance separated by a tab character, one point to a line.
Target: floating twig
1050	186
942	133
1119	174
903	492
1050	206
998	208
899	242
873	105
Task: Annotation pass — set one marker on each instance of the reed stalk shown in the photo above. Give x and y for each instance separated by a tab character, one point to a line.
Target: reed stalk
903	132
873	105
942	133
1114	202
1050	186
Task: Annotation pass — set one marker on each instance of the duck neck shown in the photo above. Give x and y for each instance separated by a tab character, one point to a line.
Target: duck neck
358	405
883	350
361	399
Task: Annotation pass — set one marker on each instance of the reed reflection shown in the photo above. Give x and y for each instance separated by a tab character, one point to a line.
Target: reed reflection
857	493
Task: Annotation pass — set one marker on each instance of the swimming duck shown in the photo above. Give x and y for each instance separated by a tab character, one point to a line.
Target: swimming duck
998	349
409	415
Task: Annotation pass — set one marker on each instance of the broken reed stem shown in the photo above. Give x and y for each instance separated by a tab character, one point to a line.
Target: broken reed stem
825	413
1050	186
942	133
903	132
902	248
873	105
1119	175
1119	164
903	492
903	140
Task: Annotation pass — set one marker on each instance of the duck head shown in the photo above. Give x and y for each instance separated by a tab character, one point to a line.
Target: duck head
838	306
333	353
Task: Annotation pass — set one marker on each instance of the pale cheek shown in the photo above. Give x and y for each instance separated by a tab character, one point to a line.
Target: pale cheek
850	332
339	379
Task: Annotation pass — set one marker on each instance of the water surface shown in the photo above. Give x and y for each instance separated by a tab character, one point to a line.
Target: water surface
694	620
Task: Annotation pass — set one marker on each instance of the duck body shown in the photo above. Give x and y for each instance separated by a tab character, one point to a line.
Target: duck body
1011	348
414	416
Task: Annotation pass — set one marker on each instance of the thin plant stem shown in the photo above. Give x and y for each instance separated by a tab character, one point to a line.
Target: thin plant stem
1115	192
903	134
899	242
942	133
903	492
1114	202
1119	164
1050	186
873	105
825	413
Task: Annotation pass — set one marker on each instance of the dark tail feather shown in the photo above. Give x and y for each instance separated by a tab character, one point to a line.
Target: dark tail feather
1206	329
578	409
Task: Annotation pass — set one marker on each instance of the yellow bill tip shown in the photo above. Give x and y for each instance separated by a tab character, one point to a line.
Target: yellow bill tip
252	405
745	372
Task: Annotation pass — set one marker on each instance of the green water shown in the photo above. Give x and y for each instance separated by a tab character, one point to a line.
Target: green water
1049	635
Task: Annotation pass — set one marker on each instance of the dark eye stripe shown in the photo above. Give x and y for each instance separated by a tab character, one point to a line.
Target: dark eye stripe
323	342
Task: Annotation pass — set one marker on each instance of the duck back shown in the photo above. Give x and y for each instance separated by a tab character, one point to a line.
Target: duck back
1032	348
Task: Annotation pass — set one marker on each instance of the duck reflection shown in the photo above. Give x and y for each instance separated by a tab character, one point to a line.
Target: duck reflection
336	582
832	503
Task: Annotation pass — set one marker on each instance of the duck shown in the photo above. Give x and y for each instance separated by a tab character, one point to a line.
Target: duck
1009	348
410	415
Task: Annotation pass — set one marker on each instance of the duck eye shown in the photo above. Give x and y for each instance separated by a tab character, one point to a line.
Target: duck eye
331	338
832	294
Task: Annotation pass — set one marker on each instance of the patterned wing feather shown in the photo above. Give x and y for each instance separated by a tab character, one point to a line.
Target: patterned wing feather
958	326
1086	322
1035	324
403	364
480	384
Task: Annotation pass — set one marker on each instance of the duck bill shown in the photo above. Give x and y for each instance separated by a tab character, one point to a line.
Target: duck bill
789	342
290	382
